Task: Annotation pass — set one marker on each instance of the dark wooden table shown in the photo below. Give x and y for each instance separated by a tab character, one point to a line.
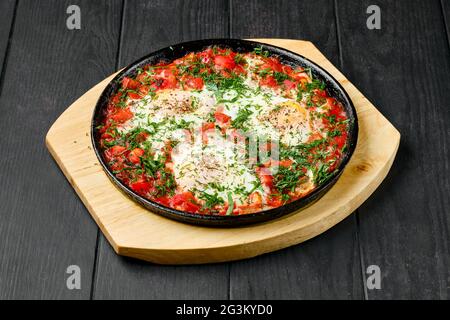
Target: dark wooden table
403	68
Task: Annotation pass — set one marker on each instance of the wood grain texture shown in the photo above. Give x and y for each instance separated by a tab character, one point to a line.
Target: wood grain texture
132	231
148	26
6	19
405	69
44	228
445	7
151	25
312	278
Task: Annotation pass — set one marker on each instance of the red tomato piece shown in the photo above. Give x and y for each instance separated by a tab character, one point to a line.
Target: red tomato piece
184	201
221	117
143	90
300	76
206	55
116	150
287	69
239	69
268	81
141	187
224	62
274	201
135	155
194	83
165	200
209	126
337	112
321	93
116	98
141	137
289	84
265	176
340	140
134	95
122	115
285	163
169	83
128	83
272	64
254	204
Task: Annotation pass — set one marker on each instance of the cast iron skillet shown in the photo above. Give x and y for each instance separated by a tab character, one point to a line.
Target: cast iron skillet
334	89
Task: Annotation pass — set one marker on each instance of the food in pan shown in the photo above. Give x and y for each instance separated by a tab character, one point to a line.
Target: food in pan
218	132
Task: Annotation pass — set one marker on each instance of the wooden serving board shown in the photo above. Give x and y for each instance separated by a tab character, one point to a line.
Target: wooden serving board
136	232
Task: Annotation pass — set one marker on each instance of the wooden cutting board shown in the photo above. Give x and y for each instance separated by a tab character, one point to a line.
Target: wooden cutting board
136	232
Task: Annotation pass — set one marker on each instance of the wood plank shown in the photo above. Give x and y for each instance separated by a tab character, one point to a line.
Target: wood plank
6	19
44	227
338	276
445	7
405	69
149	26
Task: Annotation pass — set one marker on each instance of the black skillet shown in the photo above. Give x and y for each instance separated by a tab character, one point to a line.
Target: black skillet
333	88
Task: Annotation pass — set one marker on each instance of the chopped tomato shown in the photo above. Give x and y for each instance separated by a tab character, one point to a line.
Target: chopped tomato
337	112
208	126
206	55
134	95
128	83
222	117
142	187
313	137
239	69
283	163
165	73
165	200
321	93
274	201
143	77
289	84
122	115
169	166
302	76
287	69
141	137
205	128
340	140
268	81
185	202
116	98
265	176
106	136
272	64
253	204
135	155
224	62
194	83
255	197
143	90
116	150
169	83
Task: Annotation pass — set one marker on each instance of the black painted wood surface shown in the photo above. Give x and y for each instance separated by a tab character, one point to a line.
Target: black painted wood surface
44	227
404	69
